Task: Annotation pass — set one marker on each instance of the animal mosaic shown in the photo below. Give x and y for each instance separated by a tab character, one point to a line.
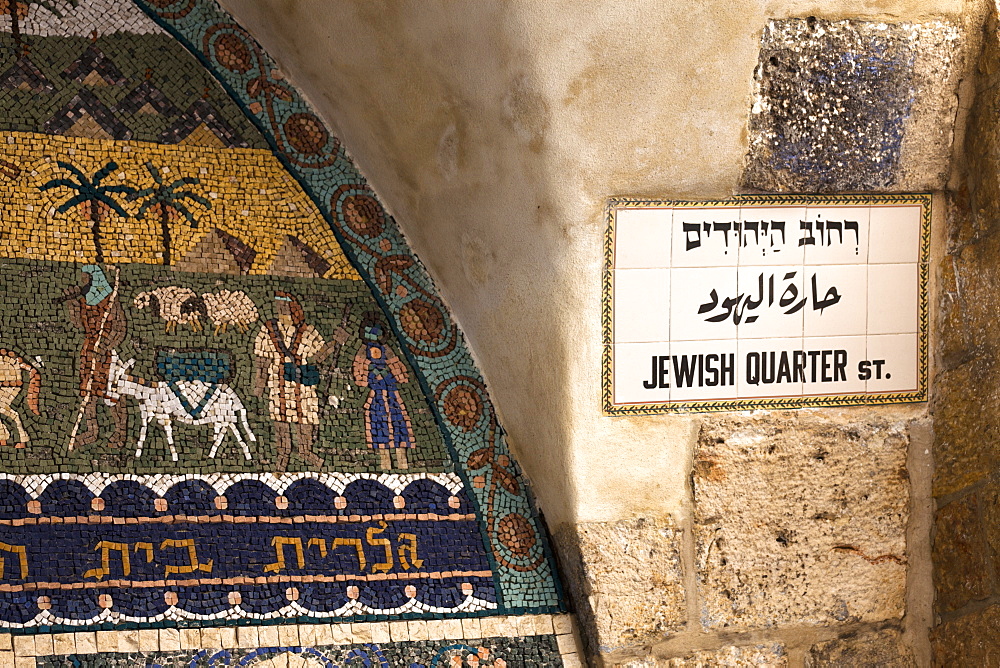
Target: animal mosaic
187	399
175	305
230	307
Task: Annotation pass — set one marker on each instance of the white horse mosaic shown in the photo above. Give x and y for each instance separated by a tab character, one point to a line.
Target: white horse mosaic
193	402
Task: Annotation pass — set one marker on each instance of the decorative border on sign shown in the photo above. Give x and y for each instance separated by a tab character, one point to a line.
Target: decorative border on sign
517	545
832	401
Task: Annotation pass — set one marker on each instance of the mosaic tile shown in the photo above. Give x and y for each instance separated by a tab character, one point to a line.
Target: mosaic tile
531	652
229	392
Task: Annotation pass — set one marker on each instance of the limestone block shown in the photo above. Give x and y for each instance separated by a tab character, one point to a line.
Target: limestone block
853	105
953	340
989	503
757	656
626	577
982	137
971	640
961	565
965	448
800	520
879	649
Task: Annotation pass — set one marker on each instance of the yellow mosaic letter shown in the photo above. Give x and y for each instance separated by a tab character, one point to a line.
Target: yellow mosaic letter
106	546
386	565
320	543
192	558
148	547
411	548
356	542
22	557
279	543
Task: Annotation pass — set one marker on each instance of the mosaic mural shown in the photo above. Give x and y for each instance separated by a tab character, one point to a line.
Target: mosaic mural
229	393
531	652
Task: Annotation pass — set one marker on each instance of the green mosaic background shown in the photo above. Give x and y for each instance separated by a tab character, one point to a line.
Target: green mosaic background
43	329
138	58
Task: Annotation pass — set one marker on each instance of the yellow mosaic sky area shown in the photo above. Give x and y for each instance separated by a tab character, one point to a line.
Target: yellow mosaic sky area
250	194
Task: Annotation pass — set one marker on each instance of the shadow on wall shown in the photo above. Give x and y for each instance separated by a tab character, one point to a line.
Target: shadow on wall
468	118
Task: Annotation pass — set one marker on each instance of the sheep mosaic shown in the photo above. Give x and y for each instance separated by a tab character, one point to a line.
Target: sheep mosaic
227	308
174	305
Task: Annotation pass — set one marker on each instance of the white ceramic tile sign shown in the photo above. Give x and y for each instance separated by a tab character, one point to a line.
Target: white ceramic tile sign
765	302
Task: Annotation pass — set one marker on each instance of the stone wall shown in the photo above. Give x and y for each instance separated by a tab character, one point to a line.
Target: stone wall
496	132
965	481
804	547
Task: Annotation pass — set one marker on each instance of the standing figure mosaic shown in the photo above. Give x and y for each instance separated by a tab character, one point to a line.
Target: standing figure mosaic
94	308
387	424
287	351
12	368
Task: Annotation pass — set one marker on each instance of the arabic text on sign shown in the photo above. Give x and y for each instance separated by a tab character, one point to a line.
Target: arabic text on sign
738	306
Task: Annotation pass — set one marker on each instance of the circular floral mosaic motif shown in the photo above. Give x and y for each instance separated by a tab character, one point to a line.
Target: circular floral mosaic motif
421	321
463	407
516	534
364	215
306	133
232	53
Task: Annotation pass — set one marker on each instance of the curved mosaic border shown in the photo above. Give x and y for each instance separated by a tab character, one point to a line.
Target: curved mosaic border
291	612
519	551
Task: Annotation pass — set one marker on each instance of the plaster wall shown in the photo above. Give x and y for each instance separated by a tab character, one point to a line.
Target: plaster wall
496	131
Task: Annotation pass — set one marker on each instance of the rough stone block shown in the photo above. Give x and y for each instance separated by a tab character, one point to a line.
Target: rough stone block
853	105
86	643
757	656
879	649
982	142
626	577
971	640
967	435
800	520
170	640
65	643
961	564
989	503
953	337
